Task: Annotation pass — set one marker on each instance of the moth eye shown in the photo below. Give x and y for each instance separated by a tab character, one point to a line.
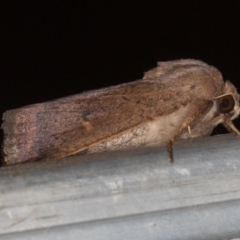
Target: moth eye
227	104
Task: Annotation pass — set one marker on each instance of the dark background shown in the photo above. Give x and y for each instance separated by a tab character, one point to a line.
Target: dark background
51	49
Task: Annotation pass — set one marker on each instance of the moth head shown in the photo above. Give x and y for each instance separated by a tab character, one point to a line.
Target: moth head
229	101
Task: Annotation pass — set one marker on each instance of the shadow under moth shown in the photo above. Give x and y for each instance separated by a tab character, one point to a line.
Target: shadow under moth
176	100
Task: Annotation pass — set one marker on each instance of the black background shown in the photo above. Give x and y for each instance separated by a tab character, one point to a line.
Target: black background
51	49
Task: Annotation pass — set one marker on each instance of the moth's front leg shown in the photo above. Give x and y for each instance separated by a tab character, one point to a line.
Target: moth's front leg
228	124
197	110
205	126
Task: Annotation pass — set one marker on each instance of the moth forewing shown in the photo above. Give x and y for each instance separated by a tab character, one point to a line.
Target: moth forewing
160	108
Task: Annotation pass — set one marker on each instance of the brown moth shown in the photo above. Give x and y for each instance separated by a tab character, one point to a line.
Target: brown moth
176	100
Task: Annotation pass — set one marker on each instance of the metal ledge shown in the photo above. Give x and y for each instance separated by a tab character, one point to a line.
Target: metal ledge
134	194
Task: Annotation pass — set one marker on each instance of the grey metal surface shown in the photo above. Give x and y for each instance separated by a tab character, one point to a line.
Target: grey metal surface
134	194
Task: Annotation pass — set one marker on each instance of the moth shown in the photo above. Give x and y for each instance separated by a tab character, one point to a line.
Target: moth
178	99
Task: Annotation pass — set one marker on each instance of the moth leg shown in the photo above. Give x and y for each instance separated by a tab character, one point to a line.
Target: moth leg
197	109
170	143
223	119
228	124
170	151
